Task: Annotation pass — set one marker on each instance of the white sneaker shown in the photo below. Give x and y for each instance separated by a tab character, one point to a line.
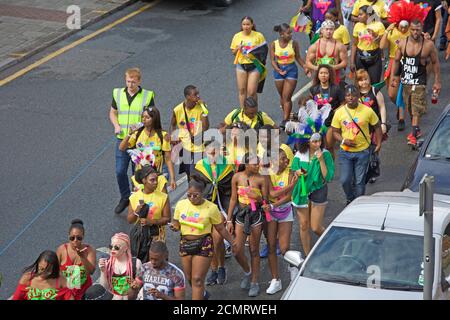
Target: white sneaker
275	286
293	272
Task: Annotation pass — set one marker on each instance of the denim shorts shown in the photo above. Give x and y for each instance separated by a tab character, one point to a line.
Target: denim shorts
318	198
291	72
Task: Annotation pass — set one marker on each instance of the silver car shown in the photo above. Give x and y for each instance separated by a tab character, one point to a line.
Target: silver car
374	250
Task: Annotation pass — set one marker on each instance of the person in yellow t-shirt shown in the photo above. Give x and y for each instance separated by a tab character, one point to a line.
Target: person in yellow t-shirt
235	146
350	125
391	38
150	208
377	5
247	75
250	115
340	33
195	217
366	52
189	120
152	135
281	183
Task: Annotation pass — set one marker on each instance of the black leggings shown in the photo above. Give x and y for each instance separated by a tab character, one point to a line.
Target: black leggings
374	69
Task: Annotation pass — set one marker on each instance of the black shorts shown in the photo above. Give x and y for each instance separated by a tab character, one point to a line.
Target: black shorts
255	218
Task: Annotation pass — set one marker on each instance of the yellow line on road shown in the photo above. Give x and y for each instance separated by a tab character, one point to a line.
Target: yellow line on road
74	44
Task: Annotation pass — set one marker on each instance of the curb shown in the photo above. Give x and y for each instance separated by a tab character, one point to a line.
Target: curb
13	61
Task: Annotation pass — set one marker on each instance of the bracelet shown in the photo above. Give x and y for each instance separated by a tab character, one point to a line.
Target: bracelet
229	221
342	142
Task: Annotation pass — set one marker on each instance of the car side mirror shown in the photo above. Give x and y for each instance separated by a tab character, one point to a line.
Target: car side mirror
420	142
294	258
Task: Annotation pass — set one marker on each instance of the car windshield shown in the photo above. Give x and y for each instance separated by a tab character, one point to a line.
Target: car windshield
439	146
368	258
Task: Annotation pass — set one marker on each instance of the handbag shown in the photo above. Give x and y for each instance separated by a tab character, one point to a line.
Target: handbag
369	59
373	167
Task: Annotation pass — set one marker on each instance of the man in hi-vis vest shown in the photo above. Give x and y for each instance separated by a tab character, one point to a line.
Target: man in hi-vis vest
126	109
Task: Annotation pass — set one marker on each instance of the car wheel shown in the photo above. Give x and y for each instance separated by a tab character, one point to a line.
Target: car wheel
223	3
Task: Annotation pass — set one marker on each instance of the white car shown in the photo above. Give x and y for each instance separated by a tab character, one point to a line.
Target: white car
374	250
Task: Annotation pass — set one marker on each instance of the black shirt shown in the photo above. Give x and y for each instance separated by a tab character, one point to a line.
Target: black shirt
332	95
131	98
431	6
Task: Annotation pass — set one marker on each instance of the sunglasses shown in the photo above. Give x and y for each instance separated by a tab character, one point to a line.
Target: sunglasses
111	247
72	238
193	195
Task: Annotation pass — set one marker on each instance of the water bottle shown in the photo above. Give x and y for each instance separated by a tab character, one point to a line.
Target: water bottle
434	97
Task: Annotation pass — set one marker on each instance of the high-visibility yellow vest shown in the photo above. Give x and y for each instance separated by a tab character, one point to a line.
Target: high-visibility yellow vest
129	115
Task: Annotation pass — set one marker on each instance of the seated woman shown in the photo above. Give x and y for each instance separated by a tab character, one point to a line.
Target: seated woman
43	280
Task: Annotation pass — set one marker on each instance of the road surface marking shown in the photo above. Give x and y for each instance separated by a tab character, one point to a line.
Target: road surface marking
36	215
74	44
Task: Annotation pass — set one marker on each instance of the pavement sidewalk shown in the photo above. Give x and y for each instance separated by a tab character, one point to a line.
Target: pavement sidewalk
29	26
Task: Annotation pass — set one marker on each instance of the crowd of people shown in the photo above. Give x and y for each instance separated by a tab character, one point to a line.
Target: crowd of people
242	182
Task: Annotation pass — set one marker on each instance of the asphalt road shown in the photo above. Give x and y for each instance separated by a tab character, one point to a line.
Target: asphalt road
57	152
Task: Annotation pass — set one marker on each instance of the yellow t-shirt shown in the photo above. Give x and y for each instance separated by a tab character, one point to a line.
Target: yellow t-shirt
250	122
284	55
377	6
394	38
206	214
155	200
342	35
162	181
235	155
365	39
144	140
279	182
249	42
194	124
363	116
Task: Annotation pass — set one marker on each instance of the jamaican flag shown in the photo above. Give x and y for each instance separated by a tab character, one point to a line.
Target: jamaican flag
218	189
258	56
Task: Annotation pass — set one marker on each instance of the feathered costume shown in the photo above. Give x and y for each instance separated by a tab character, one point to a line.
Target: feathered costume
310	122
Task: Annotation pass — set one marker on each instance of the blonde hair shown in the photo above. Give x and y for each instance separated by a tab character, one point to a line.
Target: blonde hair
361	74
133	73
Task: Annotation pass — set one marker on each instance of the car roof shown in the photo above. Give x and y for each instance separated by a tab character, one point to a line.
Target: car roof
400	208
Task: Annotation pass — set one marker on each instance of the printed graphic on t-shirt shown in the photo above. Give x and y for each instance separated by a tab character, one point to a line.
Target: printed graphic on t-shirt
367	101
365	36
192	217
164	280
323	98
425	9
347	4
351	126
410	71
322	5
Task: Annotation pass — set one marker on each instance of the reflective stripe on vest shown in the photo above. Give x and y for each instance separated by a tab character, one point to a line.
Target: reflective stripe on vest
129	115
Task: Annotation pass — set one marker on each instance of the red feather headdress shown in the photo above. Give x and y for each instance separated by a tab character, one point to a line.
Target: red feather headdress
404	10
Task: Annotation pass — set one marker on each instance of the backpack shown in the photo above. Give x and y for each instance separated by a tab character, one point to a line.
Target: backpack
259	118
